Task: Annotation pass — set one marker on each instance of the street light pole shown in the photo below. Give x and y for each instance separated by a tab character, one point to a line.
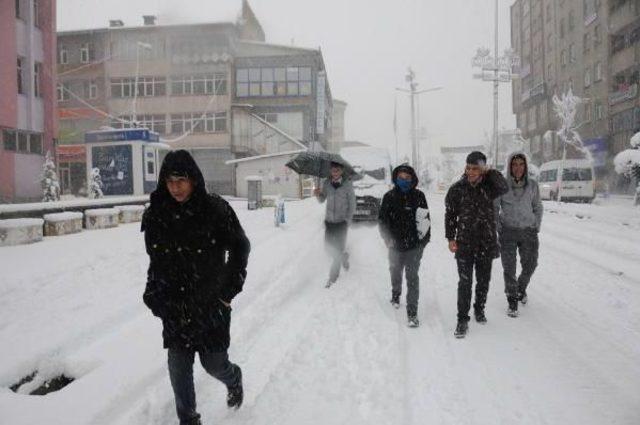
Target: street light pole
413	92
135	83
497	70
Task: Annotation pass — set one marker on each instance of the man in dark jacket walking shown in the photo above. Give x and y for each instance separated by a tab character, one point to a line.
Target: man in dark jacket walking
470	228
190	285
404	225
520	215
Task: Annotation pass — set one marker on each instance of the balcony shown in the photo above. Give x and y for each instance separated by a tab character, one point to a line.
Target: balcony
623	94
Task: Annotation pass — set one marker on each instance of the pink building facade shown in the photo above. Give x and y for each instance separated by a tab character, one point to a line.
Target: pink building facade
28	125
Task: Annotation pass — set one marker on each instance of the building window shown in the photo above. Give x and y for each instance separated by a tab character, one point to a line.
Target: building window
572	53
9	140
62	90
563	58
93	89
90	89
147	87
36	13
290	81
587	112
572	21
157	123
35	143
562	28
549	71
87	53
63	57
549	42
199	84
37	78
599	107
197	123
19	9
587	77
20	74
586	42
270	117
597	72
597	35
216	122
548	12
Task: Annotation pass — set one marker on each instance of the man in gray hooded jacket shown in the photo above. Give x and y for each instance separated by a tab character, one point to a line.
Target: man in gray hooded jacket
338	192
520	215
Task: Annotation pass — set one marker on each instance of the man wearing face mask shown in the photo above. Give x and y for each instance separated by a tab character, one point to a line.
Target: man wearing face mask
520	215
470	228
338	192
405	236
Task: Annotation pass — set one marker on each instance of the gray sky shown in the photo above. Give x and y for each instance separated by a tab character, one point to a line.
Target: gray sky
367	46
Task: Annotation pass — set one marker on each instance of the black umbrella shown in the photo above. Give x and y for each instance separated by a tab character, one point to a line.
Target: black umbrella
319	164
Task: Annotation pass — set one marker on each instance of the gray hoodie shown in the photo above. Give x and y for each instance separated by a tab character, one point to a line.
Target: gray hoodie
521	207
341	202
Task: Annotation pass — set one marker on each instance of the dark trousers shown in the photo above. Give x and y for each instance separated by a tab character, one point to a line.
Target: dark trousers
466	264
181	374
409	261
513	242
335	237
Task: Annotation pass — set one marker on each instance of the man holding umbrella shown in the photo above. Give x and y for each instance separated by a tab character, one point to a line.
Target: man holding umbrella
337	191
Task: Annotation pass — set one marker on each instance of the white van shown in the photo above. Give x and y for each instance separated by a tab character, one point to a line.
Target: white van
578	182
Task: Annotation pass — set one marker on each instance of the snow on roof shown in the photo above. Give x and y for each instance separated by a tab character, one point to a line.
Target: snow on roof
254	178
369	158
257	157
75	15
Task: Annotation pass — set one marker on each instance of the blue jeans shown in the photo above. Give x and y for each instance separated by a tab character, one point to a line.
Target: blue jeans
181	374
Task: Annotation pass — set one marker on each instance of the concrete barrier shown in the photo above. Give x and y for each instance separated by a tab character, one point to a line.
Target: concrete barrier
19	231
130	213
101	218
58	224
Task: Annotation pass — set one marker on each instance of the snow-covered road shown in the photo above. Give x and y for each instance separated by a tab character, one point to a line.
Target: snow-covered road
339	356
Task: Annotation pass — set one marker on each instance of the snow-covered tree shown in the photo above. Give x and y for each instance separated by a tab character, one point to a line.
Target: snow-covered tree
566	108
95	184
49	180
627	163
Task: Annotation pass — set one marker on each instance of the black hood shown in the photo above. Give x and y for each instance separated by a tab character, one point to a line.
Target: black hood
407	169
179	163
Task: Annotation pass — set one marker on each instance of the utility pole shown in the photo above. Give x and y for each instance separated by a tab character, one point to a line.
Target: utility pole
497	70
413	92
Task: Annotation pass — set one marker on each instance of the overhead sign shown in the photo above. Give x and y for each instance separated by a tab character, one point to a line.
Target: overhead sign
141	134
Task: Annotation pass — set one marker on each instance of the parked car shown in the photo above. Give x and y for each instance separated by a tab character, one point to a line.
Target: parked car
577	180
372	181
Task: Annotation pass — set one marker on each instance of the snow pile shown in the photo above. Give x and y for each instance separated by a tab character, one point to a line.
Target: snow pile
63	216
626	160
20	231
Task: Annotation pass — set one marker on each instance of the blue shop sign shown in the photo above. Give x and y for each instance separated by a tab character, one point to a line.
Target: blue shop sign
598	148
132	134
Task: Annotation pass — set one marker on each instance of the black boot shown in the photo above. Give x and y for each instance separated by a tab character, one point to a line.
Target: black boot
522	296
235	394
395	300
513	307
461	329
480	317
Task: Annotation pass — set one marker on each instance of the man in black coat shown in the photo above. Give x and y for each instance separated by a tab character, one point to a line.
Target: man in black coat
405	228
470	228
190	284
